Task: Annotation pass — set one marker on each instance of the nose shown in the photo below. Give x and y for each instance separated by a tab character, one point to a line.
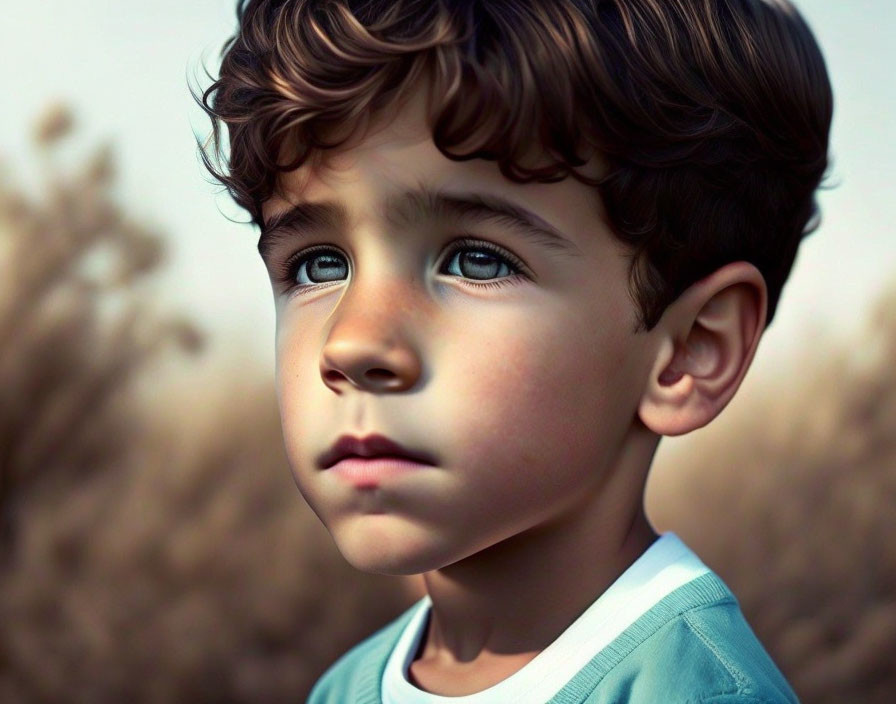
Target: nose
368	346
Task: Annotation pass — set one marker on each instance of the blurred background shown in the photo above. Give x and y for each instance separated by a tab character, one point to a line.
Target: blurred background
153	547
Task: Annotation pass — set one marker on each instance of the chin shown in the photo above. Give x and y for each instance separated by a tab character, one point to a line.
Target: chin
395	555
393	565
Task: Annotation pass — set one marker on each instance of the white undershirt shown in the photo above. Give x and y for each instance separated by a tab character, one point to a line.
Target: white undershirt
666	565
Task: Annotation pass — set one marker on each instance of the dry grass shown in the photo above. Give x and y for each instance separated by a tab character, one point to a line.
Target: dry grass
155	548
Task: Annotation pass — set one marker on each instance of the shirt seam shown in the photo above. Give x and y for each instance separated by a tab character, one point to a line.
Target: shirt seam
740	682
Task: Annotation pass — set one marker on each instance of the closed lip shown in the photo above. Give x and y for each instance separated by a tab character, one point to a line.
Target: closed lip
370	446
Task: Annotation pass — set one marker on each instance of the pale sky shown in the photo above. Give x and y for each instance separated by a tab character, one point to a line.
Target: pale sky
123	67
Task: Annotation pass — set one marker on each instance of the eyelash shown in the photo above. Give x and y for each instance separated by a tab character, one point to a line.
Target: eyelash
290	267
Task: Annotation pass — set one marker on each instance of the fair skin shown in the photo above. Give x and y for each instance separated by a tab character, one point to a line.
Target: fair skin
542	406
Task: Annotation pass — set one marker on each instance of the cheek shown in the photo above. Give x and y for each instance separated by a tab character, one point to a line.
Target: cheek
552	394
289	370
296	365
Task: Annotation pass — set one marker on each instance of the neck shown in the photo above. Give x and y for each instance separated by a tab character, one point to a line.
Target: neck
516	597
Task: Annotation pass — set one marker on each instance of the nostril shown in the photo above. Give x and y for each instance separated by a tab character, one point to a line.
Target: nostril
379	374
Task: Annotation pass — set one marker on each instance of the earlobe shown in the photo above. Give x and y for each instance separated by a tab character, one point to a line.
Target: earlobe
710	335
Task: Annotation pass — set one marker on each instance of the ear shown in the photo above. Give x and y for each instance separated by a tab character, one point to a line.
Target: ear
709	336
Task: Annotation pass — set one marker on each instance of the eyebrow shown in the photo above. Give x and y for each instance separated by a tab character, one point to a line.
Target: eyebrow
412	206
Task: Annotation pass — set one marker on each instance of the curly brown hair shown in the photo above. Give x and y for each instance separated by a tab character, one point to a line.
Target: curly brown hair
713	116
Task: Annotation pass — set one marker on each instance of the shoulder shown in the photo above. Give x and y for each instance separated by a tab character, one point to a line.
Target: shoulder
719	638
356	675
703	654
723	637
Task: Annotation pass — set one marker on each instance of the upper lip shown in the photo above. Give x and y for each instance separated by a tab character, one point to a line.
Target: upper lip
370	446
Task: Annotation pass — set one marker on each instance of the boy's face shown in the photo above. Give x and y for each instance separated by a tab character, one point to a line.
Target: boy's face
524	391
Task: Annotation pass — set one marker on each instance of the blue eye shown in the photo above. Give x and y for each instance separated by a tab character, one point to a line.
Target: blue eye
319	267
479	263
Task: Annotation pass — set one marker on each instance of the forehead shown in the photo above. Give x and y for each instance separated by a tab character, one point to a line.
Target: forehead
400	184
395	148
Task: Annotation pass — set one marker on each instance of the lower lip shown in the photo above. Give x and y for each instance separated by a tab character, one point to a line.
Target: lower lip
361	471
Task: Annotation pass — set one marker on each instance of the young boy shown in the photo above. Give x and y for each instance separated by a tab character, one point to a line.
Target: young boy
512	244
